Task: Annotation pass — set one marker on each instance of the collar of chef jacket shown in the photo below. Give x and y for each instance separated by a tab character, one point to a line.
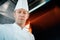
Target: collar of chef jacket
18	27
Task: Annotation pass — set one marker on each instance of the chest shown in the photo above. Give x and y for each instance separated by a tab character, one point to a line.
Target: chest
16	34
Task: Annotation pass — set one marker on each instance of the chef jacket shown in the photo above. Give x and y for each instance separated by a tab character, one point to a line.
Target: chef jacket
14	32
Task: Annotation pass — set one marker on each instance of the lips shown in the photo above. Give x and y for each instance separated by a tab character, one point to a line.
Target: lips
21	18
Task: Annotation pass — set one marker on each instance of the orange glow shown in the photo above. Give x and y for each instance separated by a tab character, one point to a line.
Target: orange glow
28	27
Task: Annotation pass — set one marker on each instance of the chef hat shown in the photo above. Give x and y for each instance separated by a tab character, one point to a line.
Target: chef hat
22	4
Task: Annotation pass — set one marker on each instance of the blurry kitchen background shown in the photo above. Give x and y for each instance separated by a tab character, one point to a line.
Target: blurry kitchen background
7	8
44	17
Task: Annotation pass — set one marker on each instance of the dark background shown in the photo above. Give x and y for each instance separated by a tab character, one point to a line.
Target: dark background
45	21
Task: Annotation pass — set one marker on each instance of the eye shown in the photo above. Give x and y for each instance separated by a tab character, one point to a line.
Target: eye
24	12
19	12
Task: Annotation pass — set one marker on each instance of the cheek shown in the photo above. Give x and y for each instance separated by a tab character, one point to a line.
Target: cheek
26	16
16	17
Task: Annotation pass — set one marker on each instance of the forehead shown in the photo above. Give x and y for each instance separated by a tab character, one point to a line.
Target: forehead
21	10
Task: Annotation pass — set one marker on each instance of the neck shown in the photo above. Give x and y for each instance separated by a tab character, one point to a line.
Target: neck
22	25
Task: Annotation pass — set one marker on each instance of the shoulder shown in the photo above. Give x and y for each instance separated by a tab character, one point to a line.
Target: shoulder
4	26
7	24
1	26
32	36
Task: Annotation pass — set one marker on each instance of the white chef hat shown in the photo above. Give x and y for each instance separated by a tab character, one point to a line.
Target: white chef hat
22	4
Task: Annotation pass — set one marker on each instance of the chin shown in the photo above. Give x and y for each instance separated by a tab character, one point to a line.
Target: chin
21	21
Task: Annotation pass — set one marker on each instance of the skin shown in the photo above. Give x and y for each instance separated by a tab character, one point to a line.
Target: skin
21	15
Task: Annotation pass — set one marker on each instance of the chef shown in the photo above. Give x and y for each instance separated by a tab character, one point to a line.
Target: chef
17	30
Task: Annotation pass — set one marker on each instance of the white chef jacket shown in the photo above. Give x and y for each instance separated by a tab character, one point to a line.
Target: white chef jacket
14	32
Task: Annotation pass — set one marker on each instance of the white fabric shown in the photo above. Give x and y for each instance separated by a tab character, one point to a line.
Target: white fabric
14	32
22	4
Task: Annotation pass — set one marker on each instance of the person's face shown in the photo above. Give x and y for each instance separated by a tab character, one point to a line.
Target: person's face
21	15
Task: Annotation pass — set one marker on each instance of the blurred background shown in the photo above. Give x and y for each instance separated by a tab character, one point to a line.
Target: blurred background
44	17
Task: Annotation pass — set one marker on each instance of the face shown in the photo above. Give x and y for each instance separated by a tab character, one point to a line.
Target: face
21	15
